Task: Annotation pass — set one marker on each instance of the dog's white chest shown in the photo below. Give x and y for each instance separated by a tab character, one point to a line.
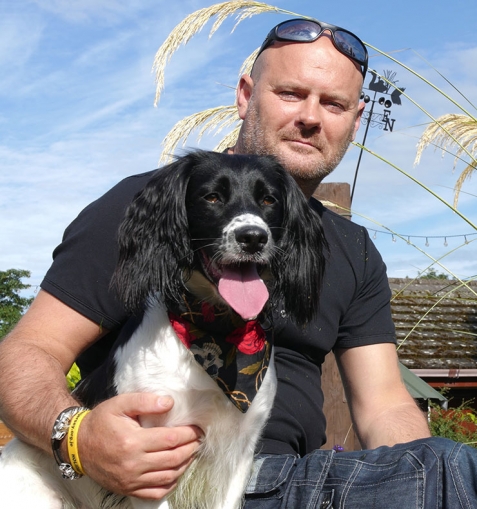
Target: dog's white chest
155	360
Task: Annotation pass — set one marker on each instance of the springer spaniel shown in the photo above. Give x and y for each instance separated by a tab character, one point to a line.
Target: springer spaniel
207	250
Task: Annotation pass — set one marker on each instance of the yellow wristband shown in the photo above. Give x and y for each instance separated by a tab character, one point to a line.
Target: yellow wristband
73	442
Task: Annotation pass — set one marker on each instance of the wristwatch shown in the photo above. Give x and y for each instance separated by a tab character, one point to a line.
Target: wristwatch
60	429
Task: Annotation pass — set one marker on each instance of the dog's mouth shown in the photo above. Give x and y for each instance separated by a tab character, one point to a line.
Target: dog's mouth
239	284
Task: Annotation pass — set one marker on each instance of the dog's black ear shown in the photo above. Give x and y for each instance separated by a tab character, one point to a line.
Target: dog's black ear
303	241
154	243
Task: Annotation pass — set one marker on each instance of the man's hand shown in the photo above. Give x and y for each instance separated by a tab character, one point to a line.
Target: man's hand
130	460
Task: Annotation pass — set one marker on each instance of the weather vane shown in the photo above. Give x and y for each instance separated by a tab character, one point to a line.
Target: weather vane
386	93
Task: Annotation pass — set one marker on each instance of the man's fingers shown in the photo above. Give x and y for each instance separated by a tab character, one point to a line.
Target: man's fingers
157	484
157	473
170	459
153	492
137	404
169	439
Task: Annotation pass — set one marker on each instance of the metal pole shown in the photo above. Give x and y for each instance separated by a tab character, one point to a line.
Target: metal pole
363	142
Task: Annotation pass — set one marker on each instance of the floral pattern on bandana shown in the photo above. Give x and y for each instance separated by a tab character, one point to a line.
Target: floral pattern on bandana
234	353
248	339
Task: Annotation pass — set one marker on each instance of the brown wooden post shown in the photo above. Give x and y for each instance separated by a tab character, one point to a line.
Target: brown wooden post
336	197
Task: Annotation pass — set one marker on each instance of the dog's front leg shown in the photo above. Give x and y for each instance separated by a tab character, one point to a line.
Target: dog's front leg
234	498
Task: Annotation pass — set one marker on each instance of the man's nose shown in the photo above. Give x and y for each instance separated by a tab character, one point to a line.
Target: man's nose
309	114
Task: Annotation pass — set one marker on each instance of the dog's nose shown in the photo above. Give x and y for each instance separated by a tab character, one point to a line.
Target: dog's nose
252	239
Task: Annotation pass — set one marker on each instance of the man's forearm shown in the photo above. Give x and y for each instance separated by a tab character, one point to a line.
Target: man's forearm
33	391
400	423
383	411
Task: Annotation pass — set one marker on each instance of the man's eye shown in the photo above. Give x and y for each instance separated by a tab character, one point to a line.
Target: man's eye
333	106
288	94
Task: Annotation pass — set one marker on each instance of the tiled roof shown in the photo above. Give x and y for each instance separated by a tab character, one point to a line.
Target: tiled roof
436	323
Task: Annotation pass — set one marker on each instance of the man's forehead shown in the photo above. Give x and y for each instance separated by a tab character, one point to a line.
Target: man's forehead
311	54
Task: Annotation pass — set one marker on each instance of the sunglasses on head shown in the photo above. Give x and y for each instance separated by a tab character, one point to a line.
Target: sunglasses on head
308	30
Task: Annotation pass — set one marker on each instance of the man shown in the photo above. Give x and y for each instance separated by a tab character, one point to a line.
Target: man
300	103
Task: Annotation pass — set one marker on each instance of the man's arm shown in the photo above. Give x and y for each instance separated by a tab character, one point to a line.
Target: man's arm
382	410
114	449
33	361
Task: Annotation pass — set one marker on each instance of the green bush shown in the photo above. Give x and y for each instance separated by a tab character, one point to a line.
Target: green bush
458	424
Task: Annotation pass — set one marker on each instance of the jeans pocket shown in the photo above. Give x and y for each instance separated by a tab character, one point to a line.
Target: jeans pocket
269	476
397	484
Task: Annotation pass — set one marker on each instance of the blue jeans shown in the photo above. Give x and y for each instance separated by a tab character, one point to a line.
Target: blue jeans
432	473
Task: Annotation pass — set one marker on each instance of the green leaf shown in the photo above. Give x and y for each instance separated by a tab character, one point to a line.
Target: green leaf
252	369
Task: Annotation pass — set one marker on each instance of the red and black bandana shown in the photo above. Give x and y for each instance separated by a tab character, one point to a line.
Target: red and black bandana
235	353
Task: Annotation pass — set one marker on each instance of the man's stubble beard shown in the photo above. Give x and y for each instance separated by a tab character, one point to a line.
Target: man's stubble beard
253	140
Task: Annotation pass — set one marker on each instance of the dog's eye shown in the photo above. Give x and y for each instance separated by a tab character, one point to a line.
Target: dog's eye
212	198
268	200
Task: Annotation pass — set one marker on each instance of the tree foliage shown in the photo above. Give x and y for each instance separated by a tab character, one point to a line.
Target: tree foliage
433	274
12	304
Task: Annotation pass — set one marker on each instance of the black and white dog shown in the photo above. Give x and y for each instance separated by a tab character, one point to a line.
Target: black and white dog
213	244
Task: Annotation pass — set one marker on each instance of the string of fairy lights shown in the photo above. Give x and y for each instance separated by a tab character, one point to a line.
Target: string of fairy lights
346	212
466	237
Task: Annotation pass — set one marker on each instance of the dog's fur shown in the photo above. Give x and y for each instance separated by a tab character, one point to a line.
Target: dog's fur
202	212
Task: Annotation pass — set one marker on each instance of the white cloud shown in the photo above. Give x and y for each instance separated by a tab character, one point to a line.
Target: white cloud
20	33
82	11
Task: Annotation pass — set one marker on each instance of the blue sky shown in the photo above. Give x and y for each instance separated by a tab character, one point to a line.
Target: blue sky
77	114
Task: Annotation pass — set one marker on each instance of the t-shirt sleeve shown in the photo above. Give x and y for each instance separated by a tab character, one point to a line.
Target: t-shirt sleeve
368	318
84	262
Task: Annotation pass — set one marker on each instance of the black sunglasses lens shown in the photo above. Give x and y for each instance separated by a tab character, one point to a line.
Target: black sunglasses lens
350	45
305	30
298	30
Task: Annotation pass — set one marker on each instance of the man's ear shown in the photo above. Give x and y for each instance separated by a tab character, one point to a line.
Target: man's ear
244	93
357	121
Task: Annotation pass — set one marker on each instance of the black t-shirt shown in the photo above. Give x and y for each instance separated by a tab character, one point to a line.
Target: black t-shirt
354	309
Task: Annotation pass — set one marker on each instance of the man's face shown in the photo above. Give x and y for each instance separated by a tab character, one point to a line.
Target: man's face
302	106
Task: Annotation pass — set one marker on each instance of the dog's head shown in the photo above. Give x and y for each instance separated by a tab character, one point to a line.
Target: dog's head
229	228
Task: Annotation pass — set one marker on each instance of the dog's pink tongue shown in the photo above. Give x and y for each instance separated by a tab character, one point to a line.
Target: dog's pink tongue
243	290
